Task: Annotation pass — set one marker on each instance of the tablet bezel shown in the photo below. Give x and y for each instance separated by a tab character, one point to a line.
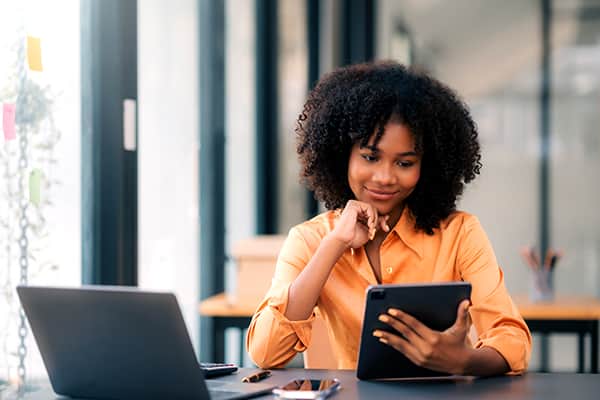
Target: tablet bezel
434	304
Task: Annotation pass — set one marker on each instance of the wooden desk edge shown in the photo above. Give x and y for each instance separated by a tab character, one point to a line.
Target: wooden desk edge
220	306
564	308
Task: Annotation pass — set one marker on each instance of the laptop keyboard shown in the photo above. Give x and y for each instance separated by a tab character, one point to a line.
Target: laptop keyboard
212	370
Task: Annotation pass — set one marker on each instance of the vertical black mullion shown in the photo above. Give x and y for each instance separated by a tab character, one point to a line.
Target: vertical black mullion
90	145
109	173
266	116
358	27
347	38
128	273
369	32
111	166
544	216
545	104
313	31
212	161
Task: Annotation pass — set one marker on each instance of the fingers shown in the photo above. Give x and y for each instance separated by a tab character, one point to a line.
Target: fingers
414	340
383	223
368	215
406	331
400	344
412	323
463	319
462	314
371	215
423	346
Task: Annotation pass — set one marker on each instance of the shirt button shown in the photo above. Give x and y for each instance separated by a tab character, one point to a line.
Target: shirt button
389	270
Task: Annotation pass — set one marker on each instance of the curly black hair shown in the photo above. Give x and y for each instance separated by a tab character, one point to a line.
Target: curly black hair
352	103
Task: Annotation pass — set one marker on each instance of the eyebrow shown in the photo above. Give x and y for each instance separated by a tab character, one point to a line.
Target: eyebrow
376	150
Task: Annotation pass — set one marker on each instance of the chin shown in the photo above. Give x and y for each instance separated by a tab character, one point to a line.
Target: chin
383	207
386	209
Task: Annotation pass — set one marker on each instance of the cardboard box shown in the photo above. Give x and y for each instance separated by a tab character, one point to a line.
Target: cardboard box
255	259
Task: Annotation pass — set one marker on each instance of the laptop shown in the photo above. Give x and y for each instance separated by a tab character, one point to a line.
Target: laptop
120	343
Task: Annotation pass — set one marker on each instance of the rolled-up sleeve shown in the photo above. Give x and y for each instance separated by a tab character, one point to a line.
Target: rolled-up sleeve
273	340
495	317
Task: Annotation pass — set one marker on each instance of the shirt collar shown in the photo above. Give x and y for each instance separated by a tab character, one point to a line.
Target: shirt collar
405	229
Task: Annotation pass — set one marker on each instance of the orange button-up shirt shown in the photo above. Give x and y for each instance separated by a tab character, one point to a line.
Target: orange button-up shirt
458	250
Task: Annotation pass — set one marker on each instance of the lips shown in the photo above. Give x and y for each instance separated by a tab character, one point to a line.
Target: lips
381	195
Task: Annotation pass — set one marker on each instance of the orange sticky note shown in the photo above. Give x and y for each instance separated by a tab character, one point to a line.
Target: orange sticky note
34	53
8	121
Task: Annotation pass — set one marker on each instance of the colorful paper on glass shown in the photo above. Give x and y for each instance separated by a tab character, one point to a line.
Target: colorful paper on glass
35	181
34	53
8	121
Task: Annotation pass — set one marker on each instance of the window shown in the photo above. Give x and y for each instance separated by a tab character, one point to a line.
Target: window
168	152
49	120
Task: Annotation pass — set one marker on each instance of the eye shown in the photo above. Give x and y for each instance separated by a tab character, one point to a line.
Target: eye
405	164
369	157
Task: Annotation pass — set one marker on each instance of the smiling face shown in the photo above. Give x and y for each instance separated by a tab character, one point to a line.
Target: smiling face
386	174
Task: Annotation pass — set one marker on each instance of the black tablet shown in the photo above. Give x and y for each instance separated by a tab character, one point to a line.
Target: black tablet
433	304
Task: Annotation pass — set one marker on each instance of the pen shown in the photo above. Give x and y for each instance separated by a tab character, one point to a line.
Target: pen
526	254
257	376
555	257
534	258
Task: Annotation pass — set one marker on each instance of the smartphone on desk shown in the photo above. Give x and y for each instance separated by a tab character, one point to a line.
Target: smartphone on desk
308	389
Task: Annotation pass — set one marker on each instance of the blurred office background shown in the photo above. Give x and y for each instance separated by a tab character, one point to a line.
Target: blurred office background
218	84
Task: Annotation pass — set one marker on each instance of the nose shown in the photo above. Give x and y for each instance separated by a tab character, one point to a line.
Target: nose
384	174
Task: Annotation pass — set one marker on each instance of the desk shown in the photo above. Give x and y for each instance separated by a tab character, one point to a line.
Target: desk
570	314
564	314
530	386
226	314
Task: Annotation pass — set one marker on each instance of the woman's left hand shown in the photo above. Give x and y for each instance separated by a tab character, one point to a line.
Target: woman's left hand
445	351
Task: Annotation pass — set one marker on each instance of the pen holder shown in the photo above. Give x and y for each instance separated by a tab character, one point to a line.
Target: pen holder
541	285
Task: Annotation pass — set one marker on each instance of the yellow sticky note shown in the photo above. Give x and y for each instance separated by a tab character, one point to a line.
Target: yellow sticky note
35	181
34	53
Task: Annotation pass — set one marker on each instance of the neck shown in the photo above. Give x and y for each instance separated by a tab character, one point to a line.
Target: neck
395	216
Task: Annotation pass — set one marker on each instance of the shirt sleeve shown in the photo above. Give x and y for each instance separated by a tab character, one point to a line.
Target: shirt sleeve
496	318
272	339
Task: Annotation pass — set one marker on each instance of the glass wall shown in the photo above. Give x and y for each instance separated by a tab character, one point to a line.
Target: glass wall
491	54
39	162
575	153
575	144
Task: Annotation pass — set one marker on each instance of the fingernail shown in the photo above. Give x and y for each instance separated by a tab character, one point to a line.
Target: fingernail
383	340
393	312
377	334
384	318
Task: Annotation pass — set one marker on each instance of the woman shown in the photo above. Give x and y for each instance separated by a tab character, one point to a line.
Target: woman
388	151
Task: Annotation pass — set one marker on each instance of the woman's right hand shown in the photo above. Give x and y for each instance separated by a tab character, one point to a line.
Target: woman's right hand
358	223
